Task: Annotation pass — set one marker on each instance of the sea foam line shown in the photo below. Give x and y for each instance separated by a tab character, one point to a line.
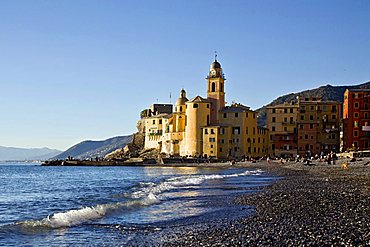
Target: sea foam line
143	197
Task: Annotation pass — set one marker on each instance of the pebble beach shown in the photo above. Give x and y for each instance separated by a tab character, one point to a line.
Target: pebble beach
318	205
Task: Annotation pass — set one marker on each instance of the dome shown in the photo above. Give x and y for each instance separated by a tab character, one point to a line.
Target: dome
215	65
182	99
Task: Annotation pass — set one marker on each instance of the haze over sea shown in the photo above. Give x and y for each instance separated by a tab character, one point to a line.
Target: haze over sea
44	206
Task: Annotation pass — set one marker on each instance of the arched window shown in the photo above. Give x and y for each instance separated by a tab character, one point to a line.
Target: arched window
180	108
221	87
213	87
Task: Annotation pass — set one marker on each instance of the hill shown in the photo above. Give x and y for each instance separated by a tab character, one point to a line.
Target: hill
327	92
92	149
26	154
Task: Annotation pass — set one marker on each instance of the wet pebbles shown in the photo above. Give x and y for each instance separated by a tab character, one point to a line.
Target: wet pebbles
311	206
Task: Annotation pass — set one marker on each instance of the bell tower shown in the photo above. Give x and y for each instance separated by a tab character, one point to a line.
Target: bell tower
215	89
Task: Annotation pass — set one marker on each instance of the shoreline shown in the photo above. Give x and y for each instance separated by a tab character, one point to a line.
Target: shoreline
311	205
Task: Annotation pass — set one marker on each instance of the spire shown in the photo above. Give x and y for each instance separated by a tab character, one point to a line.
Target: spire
215	56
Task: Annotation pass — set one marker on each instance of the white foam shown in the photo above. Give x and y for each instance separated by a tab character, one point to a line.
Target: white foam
145	196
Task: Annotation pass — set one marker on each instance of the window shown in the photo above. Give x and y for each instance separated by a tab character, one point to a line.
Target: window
153	121
221	87
333	116
285	119
273	110
207	105
285	128
220	149
311	117
273	119
160	121
236	114
301	126
302	117
206	131
222	131
291	110
291	120
311	126
273	128
355	124
306	137
225	115
212	131
254	130
236	130
222	141
356	115
180	108
246	130
195	106
356	95
211	146
312	108
213	87
212	139
311	137
355	133
285	110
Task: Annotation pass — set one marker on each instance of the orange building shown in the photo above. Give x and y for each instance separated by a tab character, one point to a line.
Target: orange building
356	120
318	126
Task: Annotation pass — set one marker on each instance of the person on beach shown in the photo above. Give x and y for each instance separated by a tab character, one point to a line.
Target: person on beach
334	158
268	159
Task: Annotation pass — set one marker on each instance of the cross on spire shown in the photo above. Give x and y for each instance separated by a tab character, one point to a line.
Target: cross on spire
215	55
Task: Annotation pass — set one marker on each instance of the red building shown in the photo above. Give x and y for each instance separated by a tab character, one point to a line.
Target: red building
356	119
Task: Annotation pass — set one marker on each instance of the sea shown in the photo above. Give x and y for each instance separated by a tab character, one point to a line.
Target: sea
116	206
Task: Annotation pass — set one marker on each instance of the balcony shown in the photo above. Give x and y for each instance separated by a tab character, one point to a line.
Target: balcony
289	123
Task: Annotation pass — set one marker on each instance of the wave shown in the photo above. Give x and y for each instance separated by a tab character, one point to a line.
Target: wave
146	194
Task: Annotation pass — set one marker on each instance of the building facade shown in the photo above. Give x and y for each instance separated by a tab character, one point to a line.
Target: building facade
282	123
307	126
206	126
356	120
318	126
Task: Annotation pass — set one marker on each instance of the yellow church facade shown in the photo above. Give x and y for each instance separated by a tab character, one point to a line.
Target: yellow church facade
205	126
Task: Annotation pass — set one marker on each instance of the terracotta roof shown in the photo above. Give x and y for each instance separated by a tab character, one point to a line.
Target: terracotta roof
198	99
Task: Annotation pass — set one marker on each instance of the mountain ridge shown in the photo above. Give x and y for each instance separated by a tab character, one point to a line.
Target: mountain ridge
91	149
26	154
327	92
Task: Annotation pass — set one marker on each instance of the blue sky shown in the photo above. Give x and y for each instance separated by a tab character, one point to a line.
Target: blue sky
77	70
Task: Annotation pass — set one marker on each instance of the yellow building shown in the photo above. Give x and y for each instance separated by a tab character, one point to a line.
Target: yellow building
206	126
282	124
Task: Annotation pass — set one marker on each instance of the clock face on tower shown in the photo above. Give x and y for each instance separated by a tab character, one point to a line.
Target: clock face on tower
213	72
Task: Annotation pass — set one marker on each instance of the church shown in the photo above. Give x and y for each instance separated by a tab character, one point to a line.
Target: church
205	126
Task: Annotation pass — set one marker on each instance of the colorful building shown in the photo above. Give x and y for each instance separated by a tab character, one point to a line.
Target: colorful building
356	120
282	123
306	126
206	126
318	126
